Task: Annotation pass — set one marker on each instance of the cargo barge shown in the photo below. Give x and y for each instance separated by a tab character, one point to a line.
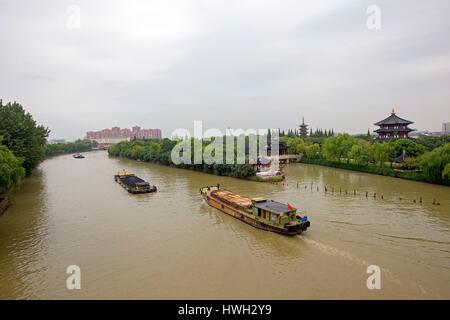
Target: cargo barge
260	213
132	183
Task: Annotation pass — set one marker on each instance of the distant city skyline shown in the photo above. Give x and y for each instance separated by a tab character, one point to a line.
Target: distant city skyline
118	133
258	64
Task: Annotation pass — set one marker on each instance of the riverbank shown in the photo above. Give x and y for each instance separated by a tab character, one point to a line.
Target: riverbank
4	204
374	169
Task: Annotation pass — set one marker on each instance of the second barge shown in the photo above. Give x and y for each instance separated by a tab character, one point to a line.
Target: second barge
133	184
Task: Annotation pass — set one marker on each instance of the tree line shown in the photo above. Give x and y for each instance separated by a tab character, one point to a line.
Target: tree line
426	159
55	149
159	151
22	144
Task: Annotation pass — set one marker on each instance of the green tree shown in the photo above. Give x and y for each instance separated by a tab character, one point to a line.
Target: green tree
380	153
411	148
434	163
446	172
11	171
22	135
360	152
312	151
338	147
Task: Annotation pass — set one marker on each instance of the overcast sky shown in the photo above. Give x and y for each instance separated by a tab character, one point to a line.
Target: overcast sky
240	64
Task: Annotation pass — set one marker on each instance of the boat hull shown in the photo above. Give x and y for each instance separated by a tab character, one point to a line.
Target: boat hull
134	190
240	215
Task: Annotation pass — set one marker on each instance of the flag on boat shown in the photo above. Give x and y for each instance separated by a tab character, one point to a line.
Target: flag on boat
290	207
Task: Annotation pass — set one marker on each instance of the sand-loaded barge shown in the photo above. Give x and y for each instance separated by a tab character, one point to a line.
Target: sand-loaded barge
260	213
132	183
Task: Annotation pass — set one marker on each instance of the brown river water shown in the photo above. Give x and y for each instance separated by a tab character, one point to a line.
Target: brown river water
173	245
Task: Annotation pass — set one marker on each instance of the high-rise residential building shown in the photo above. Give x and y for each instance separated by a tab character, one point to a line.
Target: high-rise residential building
446	128
117	134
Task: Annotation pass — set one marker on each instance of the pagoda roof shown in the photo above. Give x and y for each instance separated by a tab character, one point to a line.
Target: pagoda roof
384	130
393	119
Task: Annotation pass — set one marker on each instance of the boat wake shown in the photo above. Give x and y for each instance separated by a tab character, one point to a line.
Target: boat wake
328	249
334	251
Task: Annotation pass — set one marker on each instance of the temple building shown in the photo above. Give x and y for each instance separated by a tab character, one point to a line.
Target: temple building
393	127
303	129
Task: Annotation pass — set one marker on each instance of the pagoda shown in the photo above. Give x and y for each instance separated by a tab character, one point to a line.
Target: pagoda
303	128
393	127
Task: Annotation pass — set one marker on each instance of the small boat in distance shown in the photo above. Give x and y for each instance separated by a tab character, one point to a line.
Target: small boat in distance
260	213
133	184
78	156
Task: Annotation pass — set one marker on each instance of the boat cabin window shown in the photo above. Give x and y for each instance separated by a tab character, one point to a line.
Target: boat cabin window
263	213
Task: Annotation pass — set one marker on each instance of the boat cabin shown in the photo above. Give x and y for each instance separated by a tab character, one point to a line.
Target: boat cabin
273	211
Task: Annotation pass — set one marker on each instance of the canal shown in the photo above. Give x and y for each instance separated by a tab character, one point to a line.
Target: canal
172	245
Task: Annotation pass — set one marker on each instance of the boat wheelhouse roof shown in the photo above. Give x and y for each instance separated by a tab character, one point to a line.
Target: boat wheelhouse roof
273	206
393	119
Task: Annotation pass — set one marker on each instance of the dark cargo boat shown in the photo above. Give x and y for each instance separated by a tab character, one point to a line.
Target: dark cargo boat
260	213
133	184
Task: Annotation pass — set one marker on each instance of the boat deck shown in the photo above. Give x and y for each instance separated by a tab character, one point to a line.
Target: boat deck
232	198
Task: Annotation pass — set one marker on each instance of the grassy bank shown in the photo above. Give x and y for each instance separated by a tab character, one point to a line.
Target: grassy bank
375	169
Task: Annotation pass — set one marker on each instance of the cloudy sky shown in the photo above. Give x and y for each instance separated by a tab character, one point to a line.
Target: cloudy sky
239	64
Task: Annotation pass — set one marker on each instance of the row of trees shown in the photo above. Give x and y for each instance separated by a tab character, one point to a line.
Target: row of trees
69	147
11	171
318	133
22	145
433	164
22	135
160	151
